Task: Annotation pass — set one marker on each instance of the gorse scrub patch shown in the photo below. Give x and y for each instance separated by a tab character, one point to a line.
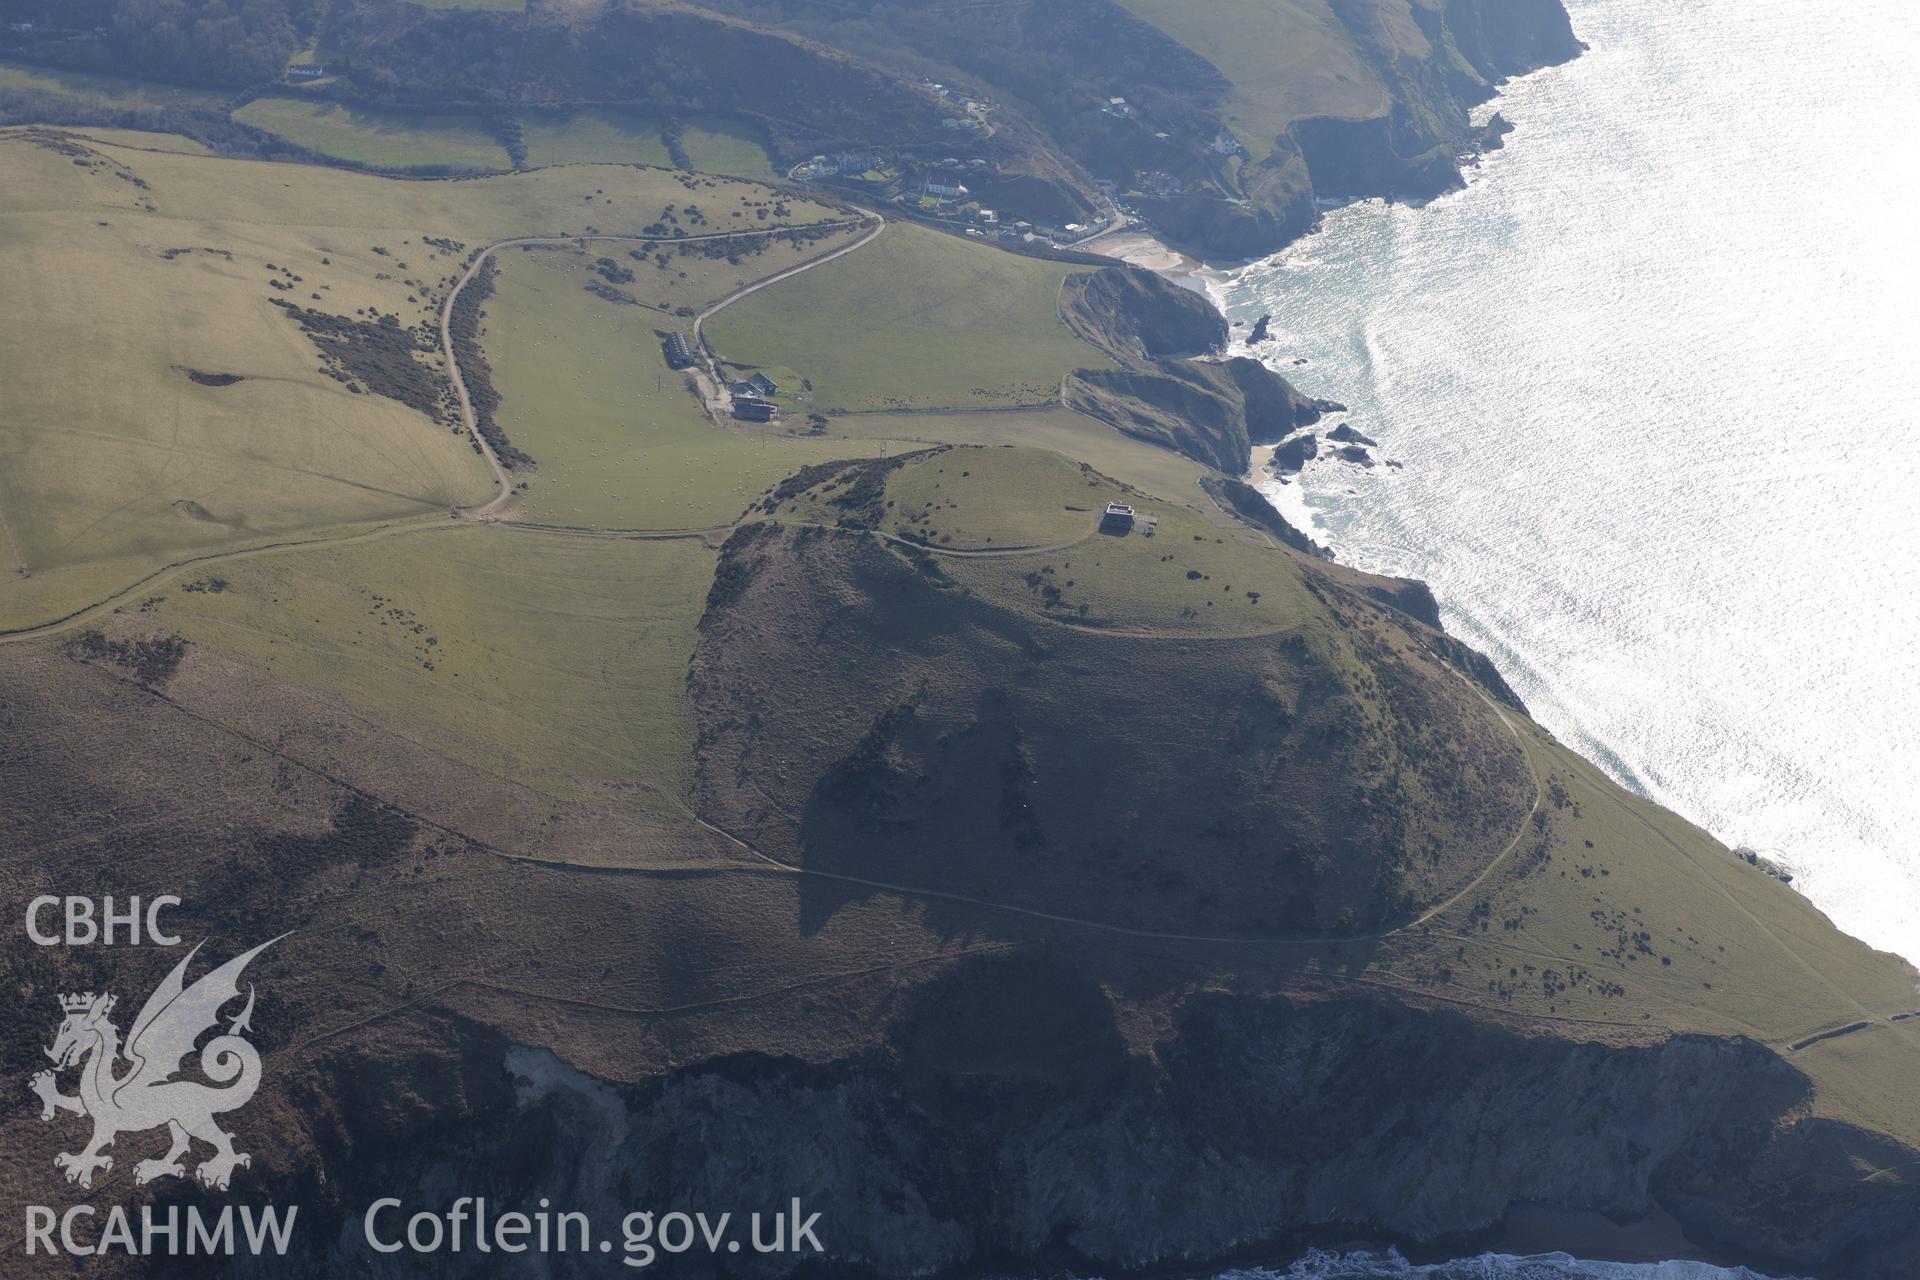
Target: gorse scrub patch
151	660
380	356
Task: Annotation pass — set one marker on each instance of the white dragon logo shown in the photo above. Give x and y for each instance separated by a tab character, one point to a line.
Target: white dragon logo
145	1095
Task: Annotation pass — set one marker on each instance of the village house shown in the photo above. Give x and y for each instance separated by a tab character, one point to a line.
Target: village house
307	71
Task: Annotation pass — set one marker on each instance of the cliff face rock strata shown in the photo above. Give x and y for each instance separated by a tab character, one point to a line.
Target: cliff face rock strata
1252	506
988	1129
1213	411
1140	316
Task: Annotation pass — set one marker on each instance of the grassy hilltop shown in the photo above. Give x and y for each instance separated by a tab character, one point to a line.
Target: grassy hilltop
890	827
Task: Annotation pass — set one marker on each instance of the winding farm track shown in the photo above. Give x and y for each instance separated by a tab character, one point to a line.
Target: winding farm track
491	510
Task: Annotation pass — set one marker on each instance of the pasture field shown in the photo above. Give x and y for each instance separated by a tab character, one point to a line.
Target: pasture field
380	139
916	320
1314	72
594	135
554	662
670	284
715	144
132	271
102	90
621	440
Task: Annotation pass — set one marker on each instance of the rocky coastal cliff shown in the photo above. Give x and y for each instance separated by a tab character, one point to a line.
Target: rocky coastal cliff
1462	51
1022	1112
1213	411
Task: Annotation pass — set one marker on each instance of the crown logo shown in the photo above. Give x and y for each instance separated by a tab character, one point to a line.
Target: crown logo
82	1003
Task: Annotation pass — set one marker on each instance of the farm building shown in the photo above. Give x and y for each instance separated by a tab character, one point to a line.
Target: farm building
761	383
1118	515
678	350
752	410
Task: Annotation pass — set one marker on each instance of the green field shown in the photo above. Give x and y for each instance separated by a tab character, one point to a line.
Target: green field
379	139
1315	71
916	320
149	265
103	91
621	440
552	662
715	144
594	135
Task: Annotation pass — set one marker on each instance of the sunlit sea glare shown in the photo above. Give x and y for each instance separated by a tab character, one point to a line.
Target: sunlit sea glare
1655	382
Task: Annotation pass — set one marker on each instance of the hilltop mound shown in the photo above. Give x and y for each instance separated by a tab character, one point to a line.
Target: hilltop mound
863	714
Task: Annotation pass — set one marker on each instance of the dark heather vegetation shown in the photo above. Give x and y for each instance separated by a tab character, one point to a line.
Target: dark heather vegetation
193	42
1331	789
465	329
376	355
202	378
151	660
857	489
1138	315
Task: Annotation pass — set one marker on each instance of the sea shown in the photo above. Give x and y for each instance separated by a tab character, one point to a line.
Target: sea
1652	383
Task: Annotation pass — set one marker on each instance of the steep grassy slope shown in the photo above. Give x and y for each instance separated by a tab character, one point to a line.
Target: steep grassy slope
964	725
